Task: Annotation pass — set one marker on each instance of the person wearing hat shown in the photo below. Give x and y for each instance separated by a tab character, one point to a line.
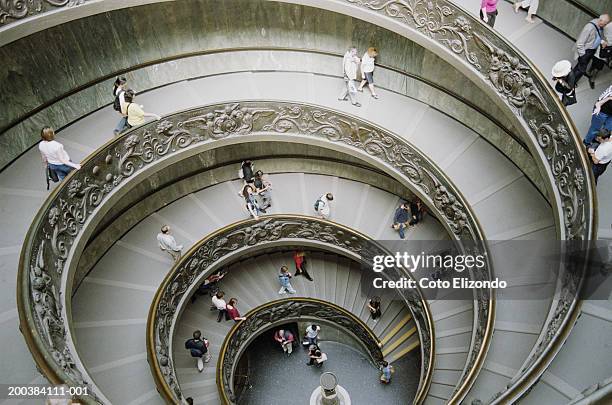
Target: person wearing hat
565	82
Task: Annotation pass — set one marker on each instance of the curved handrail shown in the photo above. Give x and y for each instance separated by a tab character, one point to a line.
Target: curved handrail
506	73
58	231
267	315
238	240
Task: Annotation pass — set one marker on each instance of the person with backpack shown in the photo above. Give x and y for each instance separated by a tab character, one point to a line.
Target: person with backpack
134	112
589	40
198	347
119	103
284	278
323	205
247	170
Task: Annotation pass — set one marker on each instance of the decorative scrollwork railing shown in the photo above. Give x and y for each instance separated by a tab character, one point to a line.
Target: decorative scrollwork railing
241	239
511	78
59	231
268	315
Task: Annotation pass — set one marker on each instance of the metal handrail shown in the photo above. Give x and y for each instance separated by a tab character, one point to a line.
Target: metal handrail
74	204
277	231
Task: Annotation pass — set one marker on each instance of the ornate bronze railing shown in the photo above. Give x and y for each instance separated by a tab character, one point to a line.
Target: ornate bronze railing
243	239
60	229
512	79
273	313
440	26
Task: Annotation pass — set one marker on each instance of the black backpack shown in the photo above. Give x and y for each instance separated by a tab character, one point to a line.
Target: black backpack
117	102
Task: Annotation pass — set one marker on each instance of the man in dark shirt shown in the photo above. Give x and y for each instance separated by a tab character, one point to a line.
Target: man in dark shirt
401	219
198	348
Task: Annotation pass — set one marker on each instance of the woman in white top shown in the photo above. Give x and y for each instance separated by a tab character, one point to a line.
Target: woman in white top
53	154
532	5
367	70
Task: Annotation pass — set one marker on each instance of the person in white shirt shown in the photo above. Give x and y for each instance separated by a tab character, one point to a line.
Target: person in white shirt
350	63
323	205
53	154
602	155
367	70
167	243
312	334
219	303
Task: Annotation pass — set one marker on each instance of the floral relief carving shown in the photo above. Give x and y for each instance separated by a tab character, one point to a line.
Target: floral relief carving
11	10
252	233
85	190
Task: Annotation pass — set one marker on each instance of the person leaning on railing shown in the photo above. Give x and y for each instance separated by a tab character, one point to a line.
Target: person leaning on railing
53	155
134	112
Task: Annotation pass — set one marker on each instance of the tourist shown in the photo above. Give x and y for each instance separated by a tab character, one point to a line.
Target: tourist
350	62
168	244
367	70
263	187
387	370
601	117
316	357
134	112
209	286
248	193
312	334
247	170
299	258
602	57
416	211
565	82
401	219
374	308
232	312
285	339
532	5
119	103
488	12
587	43
323	205
220	304
54	156
284	278
602	155
198	348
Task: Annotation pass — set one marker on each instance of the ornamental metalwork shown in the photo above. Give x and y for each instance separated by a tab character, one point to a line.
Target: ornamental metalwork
229	243
551	133
61	222
11	10
261	319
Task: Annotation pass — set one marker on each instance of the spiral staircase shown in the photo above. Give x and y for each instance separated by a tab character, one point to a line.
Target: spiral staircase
463	135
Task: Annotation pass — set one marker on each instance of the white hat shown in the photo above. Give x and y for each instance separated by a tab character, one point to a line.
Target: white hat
562	68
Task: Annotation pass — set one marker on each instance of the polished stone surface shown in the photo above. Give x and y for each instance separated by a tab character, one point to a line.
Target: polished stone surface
279	380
